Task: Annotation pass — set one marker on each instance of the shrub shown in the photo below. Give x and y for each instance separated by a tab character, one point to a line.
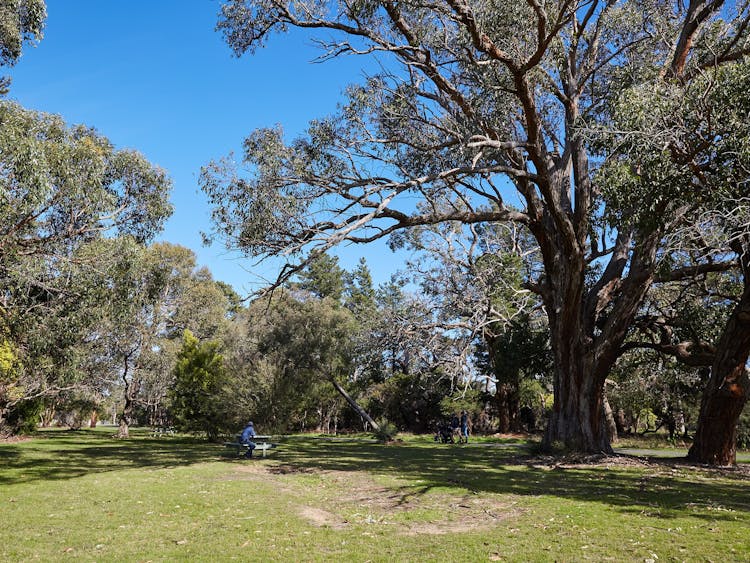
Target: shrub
387	431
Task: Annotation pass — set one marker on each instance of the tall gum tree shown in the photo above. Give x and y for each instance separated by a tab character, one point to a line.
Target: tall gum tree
476	100
63	189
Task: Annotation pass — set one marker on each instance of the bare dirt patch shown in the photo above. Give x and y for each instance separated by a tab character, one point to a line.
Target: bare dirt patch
409	509
322	518
349	498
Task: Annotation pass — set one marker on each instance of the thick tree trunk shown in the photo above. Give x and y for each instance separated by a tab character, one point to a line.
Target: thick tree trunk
359	410
716	437
577	421
727	391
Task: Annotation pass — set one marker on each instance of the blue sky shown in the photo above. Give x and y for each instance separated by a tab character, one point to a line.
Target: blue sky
153	75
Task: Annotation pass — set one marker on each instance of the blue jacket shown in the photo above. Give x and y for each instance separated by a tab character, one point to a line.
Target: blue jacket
247	433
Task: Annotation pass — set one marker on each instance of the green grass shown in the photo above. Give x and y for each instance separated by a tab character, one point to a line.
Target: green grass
85	496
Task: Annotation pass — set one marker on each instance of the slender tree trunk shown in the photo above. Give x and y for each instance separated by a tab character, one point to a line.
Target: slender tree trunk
514	406
610	418
507	399
503	409
126	418
359	410
679	418
727	391
130	391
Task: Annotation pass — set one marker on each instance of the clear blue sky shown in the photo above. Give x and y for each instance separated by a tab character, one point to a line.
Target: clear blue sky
153	75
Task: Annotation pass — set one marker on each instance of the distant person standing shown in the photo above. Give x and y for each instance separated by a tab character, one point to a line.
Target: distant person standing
455	425
464	427
246	438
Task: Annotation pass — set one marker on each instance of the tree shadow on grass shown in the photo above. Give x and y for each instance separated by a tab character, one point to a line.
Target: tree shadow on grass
70	454
656	489
659	490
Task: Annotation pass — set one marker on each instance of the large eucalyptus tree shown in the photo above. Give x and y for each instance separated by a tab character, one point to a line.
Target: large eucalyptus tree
479	105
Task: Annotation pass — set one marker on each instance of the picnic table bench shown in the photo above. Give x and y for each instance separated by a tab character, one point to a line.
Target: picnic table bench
262	443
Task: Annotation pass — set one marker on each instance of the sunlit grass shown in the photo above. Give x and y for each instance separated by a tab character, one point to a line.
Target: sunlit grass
87	496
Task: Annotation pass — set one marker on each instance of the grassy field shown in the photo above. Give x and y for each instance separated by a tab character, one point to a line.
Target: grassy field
84	496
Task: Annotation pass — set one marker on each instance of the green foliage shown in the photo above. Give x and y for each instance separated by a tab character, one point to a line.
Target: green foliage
21	21
63	189
199	373
308	342
411	401
323	277
743	430
652	391
521	350
359	291
9	370
469	400
386	432
8	360
662	126
536	397
24	416
74	410
60	175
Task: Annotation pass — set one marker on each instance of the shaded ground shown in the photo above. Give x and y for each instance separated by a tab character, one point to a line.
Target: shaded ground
742	457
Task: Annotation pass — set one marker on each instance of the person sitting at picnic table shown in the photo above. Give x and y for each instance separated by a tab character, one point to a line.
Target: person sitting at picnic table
246	438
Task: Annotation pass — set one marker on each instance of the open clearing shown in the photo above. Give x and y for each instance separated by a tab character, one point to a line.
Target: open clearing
84	496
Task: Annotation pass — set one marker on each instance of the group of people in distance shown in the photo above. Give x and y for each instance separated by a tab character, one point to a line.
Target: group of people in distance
457	427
